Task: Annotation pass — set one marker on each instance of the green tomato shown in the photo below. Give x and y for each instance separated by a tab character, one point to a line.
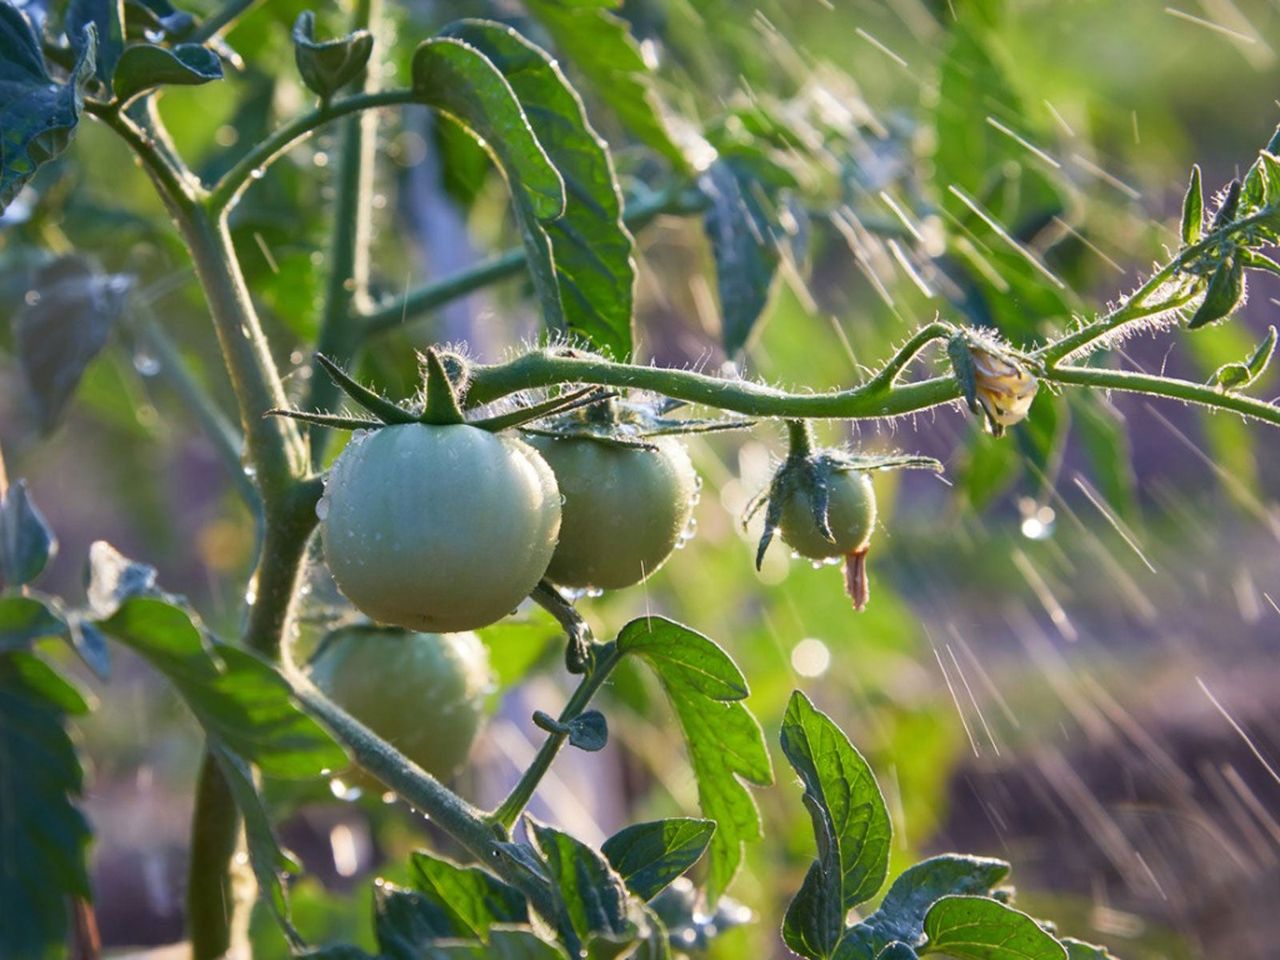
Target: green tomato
438	528
851	515
624	509
424	693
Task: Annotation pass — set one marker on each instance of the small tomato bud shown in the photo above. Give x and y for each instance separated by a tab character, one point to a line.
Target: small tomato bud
1004	388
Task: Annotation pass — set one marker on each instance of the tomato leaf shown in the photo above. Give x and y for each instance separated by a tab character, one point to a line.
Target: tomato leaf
328	65
460	82
744	242
37	115
600	45
63	324
1079	950
145	65
648	856
464	901
107	19
724	740
978	928
589	731
24	620
591	898
44	838
113	578
239	700
850	823
901	914
27	544
591	247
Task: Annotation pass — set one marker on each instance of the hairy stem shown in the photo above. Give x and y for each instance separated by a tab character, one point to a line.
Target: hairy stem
1174	389
348	282
607	657
215	837
544	368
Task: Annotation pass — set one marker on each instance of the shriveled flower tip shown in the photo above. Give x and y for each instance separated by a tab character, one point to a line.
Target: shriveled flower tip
1004	388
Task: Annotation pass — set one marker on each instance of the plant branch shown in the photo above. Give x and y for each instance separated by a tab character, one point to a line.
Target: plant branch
253	164
888	375
1135	307
421	301
1172	388
348	281
221	20
606	658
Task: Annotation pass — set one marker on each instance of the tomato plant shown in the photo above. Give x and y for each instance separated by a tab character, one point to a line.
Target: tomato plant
495	482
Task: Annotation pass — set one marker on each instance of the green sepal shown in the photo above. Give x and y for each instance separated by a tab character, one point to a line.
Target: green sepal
1193	209
963	368
1229	207
1225	290
327	66
336	421
375	403
585	397
441	403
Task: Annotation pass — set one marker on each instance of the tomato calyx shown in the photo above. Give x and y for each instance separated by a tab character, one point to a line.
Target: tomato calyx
445	375
631	422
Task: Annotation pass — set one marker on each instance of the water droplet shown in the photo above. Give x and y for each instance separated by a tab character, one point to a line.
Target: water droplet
322	508
145	363
321	159
258	174
344	791
32	298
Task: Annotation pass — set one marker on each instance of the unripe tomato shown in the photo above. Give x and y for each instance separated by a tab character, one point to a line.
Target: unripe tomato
423	693
624	508
438	528
851	515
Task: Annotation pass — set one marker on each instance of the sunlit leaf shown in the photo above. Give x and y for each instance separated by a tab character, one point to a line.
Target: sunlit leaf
648	856
590	245
850	824
977	928
460	82
724	740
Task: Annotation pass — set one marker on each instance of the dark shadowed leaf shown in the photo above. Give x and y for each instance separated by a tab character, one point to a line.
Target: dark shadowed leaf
850	824
145	65
648	856
27	544
61	327
107	19
37	116
589	731
977	928
157	16
461	83
744	244
328	65
724	740
599	44
591	246
44	837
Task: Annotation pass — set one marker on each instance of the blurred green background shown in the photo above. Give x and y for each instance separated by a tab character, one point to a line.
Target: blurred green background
1057	632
